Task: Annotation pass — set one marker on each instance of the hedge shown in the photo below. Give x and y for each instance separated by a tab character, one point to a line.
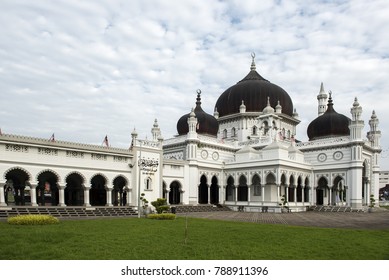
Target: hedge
33	220
163	216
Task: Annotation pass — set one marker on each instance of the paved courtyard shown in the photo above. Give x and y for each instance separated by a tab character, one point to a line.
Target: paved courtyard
376	220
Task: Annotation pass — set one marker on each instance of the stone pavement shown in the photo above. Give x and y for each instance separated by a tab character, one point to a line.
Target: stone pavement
375	220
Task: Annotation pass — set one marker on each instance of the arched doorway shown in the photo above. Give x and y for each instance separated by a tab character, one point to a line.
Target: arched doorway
291	189
47	189
242	189
203	190
256	185
15	189
230	189
74	191
214	191
306	190
321	191
284	187
119	195
175	194
98	194
338	191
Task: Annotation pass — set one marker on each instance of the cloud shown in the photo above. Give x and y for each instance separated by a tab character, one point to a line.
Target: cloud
84	69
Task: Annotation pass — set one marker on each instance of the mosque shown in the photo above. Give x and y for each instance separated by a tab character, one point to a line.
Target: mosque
246	155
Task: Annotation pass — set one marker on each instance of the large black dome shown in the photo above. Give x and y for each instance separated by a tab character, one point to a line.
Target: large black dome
254	91
329	124
207	124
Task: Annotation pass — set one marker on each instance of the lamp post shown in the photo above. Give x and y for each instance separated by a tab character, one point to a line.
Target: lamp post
149	165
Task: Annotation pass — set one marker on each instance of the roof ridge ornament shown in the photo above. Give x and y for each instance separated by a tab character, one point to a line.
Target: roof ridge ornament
198	99
253	67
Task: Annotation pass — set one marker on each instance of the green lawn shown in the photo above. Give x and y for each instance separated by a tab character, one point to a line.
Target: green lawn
133	238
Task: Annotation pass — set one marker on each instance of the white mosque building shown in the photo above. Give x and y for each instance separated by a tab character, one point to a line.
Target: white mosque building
245	156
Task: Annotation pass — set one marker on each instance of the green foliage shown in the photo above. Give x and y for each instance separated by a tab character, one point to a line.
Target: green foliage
33	220
283	200
161	205
163	216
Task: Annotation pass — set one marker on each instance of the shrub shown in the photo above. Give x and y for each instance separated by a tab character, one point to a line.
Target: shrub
161	205
33	220
163	216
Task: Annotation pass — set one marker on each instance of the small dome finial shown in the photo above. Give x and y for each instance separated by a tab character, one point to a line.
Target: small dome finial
198	99
253	67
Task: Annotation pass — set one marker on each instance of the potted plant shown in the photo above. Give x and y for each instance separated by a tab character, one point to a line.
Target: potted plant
283	203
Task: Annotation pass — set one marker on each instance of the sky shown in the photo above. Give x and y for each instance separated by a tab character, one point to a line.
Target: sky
86	69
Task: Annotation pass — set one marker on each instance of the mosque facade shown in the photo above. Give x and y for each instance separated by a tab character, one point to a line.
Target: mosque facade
246	155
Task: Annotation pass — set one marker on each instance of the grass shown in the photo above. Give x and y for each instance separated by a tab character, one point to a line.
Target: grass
121	239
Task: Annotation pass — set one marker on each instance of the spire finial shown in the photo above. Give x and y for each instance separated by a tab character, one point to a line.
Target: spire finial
330	98
198	99
253	67
268	101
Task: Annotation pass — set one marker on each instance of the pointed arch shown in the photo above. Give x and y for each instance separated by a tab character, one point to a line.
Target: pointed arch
175	192
78	173
203	190
242	188
256	183
119	195
230	189
321	190
98	193
99	174
214	190
307	187
299	190
15	168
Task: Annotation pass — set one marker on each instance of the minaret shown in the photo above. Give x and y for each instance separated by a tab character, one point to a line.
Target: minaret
253	67
156	131
374	135
356	124
216	113
134	135
322	101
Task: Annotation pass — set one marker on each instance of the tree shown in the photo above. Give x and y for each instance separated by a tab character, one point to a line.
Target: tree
161	205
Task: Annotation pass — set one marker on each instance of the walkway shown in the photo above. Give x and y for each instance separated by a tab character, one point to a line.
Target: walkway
376	220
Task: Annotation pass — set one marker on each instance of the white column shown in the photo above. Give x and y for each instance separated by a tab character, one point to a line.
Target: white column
209	195
86	196
2	197
167	196
236	193
278	193
129	196
287	194
61	194
295	194
303	194
263	192
248	193
33	195
220	192
109	196
314	195
330	197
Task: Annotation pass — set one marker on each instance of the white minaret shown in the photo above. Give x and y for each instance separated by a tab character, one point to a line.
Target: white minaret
322	101
356	124
374	135
156	131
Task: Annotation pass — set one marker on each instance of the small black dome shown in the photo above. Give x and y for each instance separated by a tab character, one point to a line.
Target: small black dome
254	91
206	123
329	124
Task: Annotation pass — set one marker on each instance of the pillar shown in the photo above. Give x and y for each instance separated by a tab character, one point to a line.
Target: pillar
33	195
129	196
61	194
209	195
2	197
330	196
303	194
287	194
314	195
248	193
220	190
236	193
295	194
86	196
263	192
109	196
278	193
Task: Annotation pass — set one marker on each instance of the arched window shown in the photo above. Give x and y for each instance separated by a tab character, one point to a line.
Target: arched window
256	182
288	134
148	185
255	130
225	133
233	132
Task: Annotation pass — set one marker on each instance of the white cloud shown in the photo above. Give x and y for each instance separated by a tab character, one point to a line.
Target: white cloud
84	69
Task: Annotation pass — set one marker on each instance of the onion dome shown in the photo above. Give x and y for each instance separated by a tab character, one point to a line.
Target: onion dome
206	123
268	109
329	124
254	91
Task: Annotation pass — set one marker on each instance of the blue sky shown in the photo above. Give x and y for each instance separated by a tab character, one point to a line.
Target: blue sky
86	69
